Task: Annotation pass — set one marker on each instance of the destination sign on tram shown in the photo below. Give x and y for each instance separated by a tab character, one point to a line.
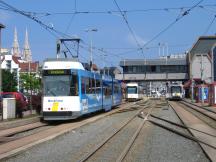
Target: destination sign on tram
57	72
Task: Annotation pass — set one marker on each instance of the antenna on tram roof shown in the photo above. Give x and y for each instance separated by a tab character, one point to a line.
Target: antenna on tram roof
74	42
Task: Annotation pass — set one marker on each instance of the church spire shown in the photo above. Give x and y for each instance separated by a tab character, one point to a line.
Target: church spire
15	48
27	51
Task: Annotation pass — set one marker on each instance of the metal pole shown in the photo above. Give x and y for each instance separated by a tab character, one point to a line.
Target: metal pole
91	63
1	27
30	78
192	90
167	48
163	50
90	35
212	51
123	71
202	88
150	89
213	64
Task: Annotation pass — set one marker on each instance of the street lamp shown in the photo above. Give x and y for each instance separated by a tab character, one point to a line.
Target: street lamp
90	31
1	27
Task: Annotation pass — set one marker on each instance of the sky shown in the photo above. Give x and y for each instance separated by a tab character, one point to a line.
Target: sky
117	38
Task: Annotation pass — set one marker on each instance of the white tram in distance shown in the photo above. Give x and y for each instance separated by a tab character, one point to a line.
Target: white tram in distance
134	92
175	92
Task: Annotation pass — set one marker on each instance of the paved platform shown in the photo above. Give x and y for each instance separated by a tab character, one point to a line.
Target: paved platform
208	141
204	105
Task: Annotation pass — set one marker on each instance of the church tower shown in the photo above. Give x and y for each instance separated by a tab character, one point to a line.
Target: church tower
15	51
26	50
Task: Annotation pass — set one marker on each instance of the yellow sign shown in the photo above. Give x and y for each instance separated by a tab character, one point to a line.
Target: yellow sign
57	72
55	106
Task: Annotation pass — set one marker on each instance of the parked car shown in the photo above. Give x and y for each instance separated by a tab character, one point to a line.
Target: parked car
36	102
21	102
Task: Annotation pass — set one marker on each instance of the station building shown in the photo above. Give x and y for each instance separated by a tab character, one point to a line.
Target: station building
198	64
155	73
202	59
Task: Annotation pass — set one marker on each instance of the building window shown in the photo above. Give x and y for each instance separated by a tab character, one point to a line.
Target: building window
153	68
125	68
134	69
8	64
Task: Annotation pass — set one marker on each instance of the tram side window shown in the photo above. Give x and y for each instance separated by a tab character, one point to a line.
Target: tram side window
107	90
83	85
116	89
74	85
87	85
90	85
98	86
93	85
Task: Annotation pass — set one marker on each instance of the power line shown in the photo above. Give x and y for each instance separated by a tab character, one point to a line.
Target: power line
209	26
172	23
134	48
72	18
115	11
50	29
129	27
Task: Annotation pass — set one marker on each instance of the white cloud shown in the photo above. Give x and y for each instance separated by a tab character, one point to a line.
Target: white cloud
4	16
133	42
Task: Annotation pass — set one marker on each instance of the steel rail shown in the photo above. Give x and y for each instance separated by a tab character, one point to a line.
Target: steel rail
214	112
94	150
180	133
189	105
199	114
130	143
209	154
180	125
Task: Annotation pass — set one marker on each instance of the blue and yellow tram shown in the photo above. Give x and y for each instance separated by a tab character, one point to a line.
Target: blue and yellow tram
70	91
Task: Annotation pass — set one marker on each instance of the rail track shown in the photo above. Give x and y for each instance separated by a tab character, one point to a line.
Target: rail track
205	111
144	113
206	115
16	139
16	133
199	122
11	132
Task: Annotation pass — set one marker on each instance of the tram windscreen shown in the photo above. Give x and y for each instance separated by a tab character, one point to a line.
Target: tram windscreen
60	85
176	89
132	90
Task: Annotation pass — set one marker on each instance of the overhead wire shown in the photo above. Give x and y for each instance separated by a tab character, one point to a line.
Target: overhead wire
86	48
209	26
179	17
56	33
116	11
72	18
51	29
128	25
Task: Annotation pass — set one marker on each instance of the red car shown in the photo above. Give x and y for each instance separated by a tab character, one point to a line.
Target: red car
21	101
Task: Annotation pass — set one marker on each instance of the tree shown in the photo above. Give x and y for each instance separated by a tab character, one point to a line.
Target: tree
30	83
9	81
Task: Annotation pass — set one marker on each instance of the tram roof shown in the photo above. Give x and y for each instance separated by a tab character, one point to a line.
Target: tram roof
62	63
61	59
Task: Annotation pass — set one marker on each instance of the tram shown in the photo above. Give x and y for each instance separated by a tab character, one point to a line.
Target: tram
134	92
175	92
70	91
